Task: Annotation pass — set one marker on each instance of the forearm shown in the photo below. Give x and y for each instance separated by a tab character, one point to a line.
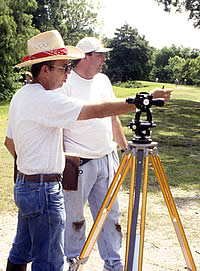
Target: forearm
10	146
105	109
118	134
116	107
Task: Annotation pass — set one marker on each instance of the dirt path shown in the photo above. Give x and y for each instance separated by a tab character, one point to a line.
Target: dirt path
161	249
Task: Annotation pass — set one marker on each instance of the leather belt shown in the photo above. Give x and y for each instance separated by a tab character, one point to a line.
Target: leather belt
36	177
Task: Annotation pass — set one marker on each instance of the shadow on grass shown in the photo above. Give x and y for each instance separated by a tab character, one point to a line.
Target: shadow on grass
181	202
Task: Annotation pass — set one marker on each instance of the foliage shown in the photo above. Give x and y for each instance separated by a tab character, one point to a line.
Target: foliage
15	29
175	62
176	65
194	70
10	84
128	84
131	56
132	59
80	20
47	16
74	19
193	6
22	19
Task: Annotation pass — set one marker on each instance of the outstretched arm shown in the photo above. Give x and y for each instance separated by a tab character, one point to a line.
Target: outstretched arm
105	109
117	106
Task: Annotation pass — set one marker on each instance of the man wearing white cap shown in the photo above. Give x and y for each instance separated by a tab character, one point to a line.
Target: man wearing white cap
94	141
37	115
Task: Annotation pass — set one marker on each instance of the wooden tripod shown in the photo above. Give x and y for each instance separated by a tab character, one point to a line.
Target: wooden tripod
133	159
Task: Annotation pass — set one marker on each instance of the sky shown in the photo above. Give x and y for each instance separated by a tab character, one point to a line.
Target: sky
158	27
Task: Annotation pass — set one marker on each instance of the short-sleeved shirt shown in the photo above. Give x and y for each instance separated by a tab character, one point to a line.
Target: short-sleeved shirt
91	138
36	119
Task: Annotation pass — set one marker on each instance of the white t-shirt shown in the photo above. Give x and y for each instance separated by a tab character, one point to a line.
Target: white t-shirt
89	138
36	119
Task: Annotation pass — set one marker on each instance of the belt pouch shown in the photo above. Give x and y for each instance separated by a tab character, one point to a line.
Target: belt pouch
71	172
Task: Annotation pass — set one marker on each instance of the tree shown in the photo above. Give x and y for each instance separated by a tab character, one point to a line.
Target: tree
193	6
80	20
15	29
48	15
160	68
194	70
176	65
22	19
74	19
131	56
176	62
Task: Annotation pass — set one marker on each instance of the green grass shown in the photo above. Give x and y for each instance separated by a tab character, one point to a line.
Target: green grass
177	133
6	166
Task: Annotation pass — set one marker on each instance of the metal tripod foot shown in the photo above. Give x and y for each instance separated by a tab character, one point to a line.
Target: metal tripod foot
77	264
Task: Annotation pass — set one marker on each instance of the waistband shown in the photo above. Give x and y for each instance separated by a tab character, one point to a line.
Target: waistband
37	177
84	160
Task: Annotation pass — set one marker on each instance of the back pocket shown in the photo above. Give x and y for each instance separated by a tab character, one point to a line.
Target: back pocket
28	201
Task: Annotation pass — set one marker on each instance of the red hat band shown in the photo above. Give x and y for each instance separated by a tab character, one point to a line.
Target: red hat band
55	52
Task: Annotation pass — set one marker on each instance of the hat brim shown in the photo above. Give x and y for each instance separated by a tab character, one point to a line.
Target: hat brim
73	53
101	50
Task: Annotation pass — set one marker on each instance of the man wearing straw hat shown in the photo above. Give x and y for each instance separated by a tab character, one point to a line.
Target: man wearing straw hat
37	115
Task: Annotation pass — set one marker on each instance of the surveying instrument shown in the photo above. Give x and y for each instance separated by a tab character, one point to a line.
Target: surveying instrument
140	150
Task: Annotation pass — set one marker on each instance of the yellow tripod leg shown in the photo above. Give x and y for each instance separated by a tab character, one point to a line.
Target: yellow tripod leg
104	211
143	212
130	208
172	211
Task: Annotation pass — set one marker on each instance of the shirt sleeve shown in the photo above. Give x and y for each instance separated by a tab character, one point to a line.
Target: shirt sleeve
9	126
9	131
57	110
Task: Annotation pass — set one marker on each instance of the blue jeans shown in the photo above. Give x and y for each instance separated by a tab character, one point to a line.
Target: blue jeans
92	186
40	230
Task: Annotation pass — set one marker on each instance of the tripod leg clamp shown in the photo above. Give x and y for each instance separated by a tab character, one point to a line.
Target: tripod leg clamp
83	260
127	150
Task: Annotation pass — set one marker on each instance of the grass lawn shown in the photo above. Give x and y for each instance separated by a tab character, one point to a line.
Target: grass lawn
177	133
6	166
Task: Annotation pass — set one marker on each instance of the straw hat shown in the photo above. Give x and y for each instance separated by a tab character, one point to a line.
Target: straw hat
91	44
49	46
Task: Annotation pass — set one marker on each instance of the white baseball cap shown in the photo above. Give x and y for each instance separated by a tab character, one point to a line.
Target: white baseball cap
91	44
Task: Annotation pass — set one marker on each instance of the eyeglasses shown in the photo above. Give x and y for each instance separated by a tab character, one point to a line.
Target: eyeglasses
65	68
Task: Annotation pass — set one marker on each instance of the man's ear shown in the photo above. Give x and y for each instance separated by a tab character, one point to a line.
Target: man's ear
45	68
45	71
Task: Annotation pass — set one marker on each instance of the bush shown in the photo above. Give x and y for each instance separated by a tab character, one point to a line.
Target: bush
10	83
128	84
197	82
